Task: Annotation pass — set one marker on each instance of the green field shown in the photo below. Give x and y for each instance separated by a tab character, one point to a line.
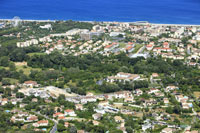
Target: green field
12	81
122	45
32	54
26	69
137	47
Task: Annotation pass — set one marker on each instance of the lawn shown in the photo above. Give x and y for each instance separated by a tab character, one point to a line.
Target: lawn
137	47
122	45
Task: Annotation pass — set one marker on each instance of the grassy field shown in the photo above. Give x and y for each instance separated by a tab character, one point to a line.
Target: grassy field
122	45
1	67
26	69
31	54
137	47
12	81
197	94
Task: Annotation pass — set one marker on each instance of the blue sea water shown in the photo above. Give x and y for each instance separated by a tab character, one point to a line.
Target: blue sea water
154	11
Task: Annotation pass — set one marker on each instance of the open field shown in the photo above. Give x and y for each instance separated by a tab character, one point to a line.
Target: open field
31	54
12	81
122	45
137	47
23	66
197	94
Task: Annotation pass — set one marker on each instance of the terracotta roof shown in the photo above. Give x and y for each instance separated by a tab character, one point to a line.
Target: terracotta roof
61	117
165	43
30	82
129	47
57	114
69	110
43	121
108	46
149	45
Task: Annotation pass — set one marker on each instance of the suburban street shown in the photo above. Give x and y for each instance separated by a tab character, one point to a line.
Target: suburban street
54	129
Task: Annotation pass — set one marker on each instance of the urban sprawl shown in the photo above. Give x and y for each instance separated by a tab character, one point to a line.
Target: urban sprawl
112	77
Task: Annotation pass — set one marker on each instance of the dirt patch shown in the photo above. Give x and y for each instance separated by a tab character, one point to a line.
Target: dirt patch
197	94
21	63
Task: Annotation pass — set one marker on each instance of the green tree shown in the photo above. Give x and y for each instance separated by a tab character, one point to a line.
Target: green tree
19	95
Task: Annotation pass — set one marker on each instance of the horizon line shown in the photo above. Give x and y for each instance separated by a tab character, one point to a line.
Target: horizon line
145	22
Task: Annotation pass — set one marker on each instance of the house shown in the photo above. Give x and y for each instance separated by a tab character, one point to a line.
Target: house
57	109
48	101
167	130
101	111
96	123
103	103
165	45
4	101
15	111
146	126
126	112
159	94
79	107
22	105
87	99
58	114
32	118
41	123
17	118
129	99
122	94
157	49
30	84
111	46
69	112
118	119
166	101
154	75
138	92
186	105
22	114
61	118
153	90
108	96
150	102
89	94
14	101
149	47
180	98
129	49
34	100
80	131
123	77
170	88
97	116
194	131
66	124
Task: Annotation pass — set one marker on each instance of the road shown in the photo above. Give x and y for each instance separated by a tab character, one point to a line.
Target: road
141	50
54	129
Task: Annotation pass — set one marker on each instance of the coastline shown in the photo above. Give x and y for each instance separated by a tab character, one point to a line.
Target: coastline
136	22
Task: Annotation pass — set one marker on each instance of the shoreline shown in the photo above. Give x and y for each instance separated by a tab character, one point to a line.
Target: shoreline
136	22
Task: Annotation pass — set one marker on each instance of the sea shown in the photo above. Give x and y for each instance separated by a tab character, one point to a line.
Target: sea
153	11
